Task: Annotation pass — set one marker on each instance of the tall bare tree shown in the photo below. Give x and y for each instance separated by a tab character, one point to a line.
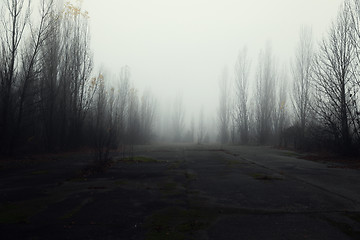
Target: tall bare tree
354	7
178	118
147	115
334	80
192	130
78	67
242	70
224	107
49	82
201	131
133	121
281	118
234	132
101	125
122	103
265	95
14	20
302	74
29	75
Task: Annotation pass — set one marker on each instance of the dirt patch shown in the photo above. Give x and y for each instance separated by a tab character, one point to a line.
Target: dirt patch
76	209
178	223
139	159
335	161
21	211
265	177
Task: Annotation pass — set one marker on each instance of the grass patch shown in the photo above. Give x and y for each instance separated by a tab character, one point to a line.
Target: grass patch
178	223
20	212
168	187
174	165
140	159
121	182
290	154
190	176
232	162
14	213
265	177
75	210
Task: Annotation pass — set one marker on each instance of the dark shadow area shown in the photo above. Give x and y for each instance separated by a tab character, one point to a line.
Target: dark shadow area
178	192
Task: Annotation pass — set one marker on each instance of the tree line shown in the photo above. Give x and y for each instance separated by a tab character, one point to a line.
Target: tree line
49	99
312	106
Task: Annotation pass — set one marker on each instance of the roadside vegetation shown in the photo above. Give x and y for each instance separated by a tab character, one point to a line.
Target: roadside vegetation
52	100
312	104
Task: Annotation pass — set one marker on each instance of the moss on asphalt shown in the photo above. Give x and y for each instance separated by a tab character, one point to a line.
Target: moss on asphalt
178	223
20	212
140	159
265	177
75	210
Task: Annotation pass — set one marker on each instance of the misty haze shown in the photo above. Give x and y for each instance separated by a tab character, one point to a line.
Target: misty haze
192	119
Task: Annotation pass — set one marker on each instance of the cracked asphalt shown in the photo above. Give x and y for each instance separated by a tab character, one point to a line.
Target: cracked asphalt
180	192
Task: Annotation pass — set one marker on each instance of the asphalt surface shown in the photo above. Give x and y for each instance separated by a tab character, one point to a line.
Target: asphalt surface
180	192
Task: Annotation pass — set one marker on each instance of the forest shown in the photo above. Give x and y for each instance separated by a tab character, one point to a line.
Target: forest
52	99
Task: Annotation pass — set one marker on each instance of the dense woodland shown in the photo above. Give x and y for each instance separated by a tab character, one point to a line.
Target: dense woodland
311	106
51	101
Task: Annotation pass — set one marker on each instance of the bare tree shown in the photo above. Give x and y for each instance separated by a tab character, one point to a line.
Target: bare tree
334	80
265	95
46	93
66	86
29	74
147	114
178	118
281	117
20	71
353	7
133	121
192	130
234	125
101	127
122	103
302	74
224	107
201	132
14	20
242	69
78	69
49	83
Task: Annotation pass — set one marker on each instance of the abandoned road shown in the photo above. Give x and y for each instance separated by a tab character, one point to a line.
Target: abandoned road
180	192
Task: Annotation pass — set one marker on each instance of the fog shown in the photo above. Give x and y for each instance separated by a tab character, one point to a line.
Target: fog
191	119
103	75
181	47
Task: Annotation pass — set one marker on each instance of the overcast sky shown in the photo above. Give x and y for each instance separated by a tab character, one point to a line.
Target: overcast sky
182	46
